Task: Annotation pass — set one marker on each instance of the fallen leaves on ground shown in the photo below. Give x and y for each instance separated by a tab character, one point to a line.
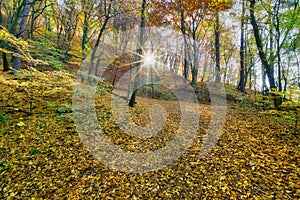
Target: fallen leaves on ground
42	156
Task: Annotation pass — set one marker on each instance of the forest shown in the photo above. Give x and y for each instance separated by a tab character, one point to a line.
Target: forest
149	99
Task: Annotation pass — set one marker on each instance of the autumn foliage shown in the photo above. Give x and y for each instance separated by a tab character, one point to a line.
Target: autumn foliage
167	12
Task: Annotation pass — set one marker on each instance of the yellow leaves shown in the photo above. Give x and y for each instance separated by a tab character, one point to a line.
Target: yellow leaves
14	42
225	188
24	84
11	39
273	112
19	44
196	163
219	5
21	136
51	162
20	124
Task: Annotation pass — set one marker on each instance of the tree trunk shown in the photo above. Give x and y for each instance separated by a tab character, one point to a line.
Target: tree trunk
250	79
4	56
183	31
298	69
205	67
139	53
277	28
17	60
196	61
242	84
5	62
32	21
84	35
217	46
258	40
1	19
93	54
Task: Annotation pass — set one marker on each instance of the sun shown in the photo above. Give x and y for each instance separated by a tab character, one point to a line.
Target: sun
149	59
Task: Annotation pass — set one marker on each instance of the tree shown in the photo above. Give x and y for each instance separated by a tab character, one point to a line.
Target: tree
16	59
2	44
283	12
87	21
242	83
12	43
259	44
37	9
250	59
191	15
139	51
183	31
12	12
67	20
228	49
216	7
107	15
217	47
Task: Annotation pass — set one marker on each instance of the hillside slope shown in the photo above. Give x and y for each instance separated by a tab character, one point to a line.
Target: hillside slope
42	155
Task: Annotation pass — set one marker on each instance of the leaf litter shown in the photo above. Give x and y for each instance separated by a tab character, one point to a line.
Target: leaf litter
42	156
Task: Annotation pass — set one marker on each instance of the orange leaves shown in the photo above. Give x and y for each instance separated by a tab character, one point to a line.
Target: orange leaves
164	13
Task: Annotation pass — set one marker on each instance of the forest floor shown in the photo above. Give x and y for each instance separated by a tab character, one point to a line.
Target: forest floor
42	156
